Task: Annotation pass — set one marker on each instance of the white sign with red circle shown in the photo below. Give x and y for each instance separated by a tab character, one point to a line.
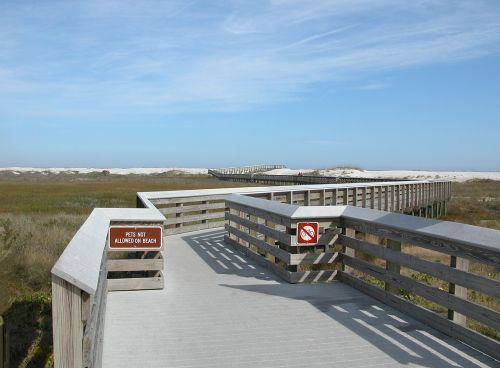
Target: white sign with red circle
307	233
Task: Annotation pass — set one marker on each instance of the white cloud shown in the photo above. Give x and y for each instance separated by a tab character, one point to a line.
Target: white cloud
175	56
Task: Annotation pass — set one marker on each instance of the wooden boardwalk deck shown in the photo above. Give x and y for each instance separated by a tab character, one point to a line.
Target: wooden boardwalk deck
219	309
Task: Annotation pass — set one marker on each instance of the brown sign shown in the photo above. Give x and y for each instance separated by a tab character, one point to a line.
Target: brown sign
135	237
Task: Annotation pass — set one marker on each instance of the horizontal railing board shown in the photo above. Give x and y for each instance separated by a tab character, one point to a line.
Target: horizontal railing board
262	213
195	227
314	258
462	240
189	199
80	262
475	311
457	239
443	272
262	245
193	218
155	264
136	283
313	276
260	228
192	194
468	336
192	208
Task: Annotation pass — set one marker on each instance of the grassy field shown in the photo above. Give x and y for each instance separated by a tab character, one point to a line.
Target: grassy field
39	213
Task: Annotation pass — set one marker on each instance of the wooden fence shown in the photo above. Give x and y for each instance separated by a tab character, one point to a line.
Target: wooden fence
244	169
203	209
358	245
295	179
80	285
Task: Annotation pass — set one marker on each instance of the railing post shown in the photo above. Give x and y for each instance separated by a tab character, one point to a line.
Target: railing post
204	212
348	251
460	291
67	324
179	215
270	241
393	267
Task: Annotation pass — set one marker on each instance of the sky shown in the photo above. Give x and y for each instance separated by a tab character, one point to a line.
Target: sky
384	84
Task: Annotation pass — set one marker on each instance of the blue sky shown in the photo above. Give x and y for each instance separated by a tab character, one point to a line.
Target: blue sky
384	84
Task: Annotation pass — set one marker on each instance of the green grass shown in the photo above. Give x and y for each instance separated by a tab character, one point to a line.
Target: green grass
39	214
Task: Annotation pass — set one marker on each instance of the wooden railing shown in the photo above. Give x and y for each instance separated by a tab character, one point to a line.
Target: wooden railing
364	248
244	169
191	210
80	285
296	179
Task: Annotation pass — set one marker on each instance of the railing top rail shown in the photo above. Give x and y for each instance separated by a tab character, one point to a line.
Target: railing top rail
274	189
80	262
461	234
473	236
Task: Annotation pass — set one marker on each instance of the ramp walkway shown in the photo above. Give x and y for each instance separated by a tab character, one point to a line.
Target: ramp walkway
220	309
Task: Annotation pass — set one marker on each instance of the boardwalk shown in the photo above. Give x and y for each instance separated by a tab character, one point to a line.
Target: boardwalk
218	309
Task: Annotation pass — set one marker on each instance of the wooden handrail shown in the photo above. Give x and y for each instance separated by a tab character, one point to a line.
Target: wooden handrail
80	285
190	210
266	231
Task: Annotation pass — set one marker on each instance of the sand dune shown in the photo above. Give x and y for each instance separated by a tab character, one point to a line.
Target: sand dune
458	176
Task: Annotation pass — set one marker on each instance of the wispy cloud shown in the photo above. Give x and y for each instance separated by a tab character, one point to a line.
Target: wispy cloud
372	86
62	57
324	142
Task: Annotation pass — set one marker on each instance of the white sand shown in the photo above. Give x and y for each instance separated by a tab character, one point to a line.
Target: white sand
458	176
116	171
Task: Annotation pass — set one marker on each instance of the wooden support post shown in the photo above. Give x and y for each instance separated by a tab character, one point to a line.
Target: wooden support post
322	197
379	198
335	197
355	196
460	291
393	205
386	207
67	324
346	196
289	198
307	198
178	215
348	251
393	267
363	198
270	241
398	208
204	212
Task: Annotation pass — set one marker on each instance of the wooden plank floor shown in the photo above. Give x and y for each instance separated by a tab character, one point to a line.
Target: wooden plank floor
219	309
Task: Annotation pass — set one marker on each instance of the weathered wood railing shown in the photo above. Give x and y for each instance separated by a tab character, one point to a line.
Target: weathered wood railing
190	210
80	286
347	249
270	179
244	169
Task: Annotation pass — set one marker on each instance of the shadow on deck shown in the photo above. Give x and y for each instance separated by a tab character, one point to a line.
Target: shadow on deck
220	309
